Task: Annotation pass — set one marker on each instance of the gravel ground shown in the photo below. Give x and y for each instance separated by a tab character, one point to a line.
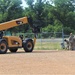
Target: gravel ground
39	62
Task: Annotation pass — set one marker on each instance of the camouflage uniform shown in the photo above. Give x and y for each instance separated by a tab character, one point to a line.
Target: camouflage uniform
71	41
74	43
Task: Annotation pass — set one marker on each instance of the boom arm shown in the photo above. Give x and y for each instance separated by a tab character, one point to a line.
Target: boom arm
13	23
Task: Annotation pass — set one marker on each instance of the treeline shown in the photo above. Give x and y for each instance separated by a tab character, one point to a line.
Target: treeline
49	15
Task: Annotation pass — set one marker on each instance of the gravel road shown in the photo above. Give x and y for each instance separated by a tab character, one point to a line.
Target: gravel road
39	62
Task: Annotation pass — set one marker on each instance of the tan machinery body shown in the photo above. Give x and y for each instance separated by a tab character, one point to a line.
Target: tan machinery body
13	41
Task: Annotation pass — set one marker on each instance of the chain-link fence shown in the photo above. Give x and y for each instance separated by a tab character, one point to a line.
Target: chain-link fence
47	40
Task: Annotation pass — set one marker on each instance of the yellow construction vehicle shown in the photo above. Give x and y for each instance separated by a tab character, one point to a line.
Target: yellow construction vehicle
13	42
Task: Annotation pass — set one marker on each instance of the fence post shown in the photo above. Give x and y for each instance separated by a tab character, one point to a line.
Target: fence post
63	46
41	40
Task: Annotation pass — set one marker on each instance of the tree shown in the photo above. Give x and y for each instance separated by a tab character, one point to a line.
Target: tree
50	15
5	5
38	11
64	11
9	10
16	13
30	3
16	10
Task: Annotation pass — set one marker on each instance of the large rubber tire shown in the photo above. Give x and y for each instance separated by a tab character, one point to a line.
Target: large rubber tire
3	47
13	50
28	46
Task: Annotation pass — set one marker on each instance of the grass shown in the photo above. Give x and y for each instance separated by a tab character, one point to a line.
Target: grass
48	46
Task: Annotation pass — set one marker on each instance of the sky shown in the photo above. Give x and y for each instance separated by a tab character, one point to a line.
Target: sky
24	3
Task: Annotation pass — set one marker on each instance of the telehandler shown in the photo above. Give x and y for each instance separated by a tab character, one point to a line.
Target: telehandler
13	42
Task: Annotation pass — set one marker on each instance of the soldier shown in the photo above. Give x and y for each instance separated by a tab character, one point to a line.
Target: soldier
74	42
71	41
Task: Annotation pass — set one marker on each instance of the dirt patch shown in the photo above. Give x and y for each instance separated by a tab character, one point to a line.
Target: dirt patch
39	62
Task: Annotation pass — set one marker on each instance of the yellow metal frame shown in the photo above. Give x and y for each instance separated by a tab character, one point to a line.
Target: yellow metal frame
13	23
13	41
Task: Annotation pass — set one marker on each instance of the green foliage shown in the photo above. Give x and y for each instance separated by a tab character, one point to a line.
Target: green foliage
10	9
30	3
51	15
65	14
57	26
17	10
4	7
49	28
68	30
